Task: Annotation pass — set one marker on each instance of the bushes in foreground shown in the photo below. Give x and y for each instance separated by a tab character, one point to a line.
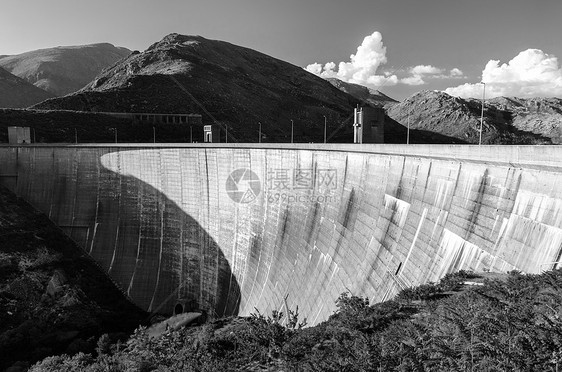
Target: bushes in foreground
509	325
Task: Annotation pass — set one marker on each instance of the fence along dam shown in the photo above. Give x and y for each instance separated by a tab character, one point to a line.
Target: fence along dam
229	228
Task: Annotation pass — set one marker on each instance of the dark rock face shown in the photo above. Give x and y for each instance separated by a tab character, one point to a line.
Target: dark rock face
18	93
506	121
64	69
235	86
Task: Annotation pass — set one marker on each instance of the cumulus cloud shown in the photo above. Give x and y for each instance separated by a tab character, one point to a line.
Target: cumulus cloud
315	68
413	80
532	73
421	72
362	66
426	70
456	73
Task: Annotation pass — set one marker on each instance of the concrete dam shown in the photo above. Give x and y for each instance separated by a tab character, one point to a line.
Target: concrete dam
229	228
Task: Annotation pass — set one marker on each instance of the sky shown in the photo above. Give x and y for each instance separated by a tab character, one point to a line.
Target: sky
397	46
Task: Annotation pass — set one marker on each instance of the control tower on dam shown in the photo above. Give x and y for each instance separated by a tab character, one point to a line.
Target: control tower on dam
232	227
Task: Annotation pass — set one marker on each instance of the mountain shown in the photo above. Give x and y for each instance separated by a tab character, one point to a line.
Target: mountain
506	121
17	93
64	69
238	88
226	83
368	95
537	115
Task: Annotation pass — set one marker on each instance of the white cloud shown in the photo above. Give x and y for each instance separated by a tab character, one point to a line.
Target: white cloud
456	73
421	72
362	67
315	68
532	73
426	70
413	80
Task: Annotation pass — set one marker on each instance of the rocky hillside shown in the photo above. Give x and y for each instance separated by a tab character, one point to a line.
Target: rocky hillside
63	69
16	92
53	297
537	115
506	120
229	84
368	95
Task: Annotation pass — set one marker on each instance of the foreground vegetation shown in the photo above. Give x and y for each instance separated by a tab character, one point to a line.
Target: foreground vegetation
503	325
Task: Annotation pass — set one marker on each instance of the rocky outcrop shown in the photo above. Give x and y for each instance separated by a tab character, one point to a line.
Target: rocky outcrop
455	117
541	116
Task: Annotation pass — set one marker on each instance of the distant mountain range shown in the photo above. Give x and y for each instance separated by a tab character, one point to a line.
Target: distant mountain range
238	88
18	93
506	120
64	69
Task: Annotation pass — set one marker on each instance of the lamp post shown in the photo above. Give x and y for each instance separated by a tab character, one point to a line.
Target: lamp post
153	134
292	130
482	112
259	140
408	131
325	120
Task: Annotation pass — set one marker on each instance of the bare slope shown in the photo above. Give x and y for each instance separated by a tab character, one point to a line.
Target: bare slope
17	93
64	69
506	121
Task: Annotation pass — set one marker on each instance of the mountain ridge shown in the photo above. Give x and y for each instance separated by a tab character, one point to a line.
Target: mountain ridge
63	69
239	88
459	118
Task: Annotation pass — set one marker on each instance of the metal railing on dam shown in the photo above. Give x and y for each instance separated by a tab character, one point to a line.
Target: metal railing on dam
233	227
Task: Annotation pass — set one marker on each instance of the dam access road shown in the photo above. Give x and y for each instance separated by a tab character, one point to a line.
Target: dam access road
228	228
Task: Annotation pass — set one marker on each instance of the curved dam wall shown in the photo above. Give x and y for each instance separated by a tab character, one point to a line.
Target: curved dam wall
230	228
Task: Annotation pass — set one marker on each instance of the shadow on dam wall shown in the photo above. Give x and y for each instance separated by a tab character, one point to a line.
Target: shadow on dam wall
371	219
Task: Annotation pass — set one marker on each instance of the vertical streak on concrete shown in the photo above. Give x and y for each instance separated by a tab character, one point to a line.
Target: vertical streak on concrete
424	214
